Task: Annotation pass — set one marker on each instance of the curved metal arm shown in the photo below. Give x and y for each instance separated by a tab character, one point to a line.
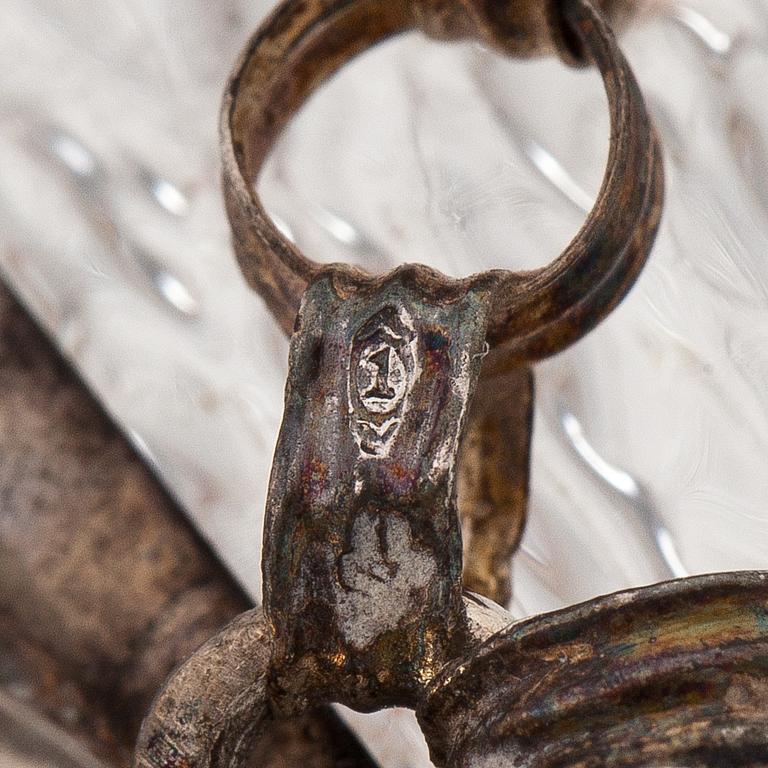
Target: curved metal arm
215	705
667	675
550	308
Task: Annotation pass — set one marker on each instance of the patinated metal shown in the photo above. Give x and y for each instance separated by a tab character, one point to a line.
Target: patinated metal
533	314
362	550
670	675
104	587
406	428
492	479
396	407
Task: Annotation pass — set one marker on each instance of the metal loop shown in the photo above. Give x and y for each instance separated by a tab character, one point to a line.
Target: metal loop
535	313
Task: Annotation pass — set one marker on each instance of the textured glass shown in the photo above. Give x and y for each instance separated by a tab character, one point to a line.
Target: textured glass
651	435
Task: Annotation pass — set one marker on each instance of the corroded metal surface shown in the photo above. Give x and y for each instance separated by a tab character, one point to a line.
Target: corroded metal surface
358	611
362	551
492	480
363	601
524	28
361	564
534	314
104	587
670	675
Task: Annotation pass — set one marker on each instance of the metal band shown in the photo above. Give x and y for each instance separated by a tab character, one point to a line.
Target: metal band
362	549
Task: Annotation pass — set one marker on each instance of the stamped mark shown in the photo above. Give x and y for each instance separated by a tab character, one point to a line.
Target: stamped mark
382	372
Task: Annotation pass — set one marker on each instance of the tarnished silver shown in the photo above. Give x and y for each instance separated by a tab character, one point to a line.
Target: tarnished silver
363	599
